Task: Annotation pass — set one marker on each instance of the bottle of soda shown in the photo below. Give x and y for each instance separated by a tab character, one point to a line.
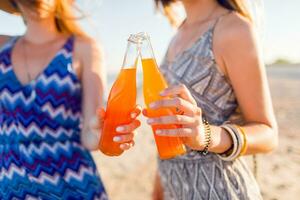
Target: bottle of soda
153	84
121	101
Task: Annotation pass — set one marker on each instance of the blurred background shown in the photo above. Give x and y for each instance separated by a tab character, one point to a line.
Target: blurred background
111	22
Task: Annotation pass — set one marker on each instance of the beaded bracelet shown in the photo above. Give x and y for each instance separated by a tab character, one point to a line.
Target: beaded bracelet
207	132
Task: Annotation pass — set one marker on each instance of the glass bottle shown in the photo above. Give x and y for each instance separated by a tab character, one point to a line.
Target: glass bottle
153	84
121	101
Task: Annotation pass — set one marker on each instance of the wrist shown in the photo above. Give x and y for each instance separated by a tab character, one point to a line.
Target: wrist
90	139
220	140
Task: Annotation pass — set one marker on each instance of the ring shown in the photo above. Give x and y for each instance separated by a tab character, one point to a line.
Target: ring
179	112
132	143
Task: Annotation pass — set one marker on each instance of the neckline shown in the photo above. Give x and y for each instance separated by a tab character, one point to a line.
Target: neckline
210	30
45	68
179	55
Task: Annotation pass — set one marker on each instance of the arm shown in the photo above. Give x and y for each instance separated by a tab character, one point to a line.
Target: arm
4	39
157	190
240	59
246	71
93	83
93	80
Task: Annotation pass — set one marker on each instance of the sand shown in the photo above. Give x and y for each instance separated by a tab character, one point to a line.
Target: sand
130	176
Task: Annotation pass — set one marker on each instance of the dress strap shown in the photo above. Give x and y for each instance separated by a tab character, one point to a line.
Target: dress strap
219	19
69	45
9	43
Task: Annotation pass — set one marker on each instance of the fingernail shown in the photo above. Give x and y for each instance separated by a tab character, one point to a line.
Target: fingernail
158	132
120	129
152	105
117	139
150	121
133	115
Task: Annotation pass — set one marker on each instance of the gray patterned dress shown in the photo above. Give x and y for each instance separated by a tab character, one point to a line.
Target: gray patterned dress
194	176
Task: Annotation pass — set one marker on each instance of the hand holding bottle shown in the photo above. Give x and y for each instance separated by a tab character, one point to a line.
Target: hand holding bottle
127	132
190	128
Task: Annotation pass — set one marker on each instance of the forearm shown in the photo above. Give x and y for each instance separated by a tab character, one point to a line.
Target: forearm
90	133
157	188
261	138
89	139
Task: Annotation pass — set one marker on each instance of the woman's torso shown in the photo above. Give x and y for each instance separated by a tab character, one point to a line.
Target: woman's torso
194	176
40	125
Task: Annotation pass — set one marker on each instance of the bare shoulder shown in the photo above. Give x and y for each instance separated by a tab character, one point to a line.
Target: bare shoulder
235	42
87	47
233	29
4	39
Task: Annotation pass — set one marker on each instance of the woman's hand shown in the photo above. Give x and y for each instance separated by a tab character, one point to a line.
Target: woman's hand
191	128
128	131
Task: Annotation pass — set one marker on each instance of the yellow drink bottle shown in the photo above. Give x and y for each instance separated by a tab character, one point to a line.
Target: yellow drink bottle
153	84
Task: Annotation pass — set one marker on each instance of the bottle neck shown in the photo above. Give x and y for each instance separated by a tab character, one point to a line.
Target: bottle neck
146	50
131	56
147	55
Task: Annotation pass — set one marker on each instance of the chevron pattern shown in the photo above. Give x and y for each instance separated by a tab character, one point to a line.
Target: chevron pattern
194	176
40	152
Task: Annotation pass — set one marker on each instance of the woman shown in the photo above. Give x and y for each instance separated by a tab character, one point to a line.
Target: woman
217	74
51	86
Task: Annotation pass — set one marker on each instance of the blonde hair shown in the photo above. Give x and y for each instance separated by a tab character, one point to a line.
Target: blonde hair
165	6
64	12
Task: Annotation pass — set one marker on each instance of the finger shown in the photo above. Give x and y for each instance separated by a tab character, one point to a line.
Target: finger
177	102
129	127
136	112
172	119
180	90
123	138
126	146
180	132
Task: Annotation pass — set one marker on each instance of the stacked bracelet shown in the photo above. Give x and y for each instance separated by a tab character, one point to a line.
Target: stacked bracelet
239	141
207	132
232	154
244	148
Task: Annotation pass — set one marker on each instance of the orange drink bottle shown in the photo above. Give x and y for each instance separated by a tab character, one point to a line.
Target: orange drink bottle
121	101
153	84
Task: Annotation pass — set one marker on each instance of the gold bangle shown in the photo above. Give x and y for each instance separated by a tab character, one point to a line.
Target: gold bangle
244	148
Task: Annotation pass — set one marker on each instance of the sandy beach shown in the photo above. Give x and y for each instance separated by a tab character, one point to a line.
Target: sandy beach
130	176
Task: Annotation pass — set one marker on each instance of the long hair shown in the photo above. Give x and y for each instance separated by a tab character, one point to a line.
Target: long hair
64	12
165	6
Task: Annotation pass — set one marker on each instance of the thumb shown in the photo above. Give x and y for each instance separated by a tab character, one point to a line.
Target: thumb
101	114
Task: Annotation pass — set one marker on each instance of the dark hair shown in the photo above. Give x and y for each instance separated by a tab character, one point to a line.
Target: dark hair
235	5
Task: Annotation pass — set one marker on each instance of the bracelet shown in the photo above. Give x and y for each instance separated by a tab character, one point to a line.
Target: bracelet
244	148
207	132
240	140
232	154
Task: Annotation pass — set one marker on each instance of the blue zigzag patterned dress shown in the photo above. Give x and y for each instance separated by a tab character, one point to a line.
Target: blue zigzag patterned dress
41	156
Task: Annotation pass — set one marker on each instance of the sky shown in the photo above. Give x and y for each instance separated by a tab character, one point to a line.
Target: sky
112	21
